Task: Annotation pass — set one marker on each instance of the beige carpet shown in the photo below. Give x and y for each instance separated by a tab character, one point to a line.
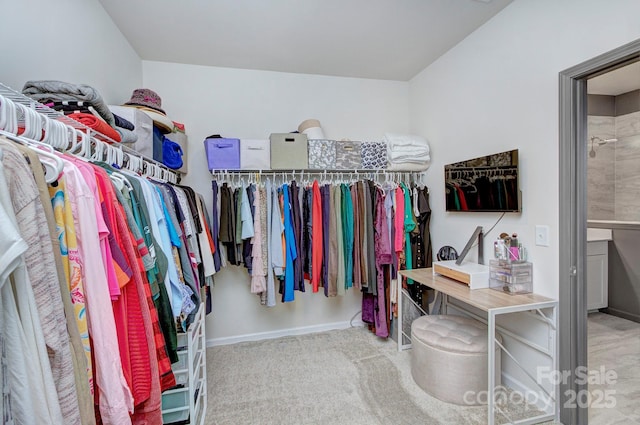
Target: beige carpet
345	377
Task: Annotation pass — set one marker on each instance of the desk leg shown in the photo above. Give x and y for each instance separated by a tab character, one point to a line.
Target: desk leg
491	369
399	318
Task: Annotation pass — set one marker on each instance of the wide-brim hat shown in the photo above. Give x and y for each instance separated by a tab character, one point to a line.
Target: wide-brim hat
159	120
147	98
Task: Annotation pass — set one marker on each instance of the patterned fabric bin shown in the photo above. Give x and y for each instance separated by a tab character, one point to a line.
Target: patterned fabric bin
348	155
322	154
374	155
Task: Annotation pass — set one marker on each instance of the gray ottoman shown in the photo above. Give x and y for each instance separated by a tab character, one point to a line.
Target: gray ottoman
449	358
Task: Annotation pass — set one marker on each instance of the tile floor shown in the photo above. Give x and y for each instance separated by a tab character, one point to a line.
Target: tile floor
614	360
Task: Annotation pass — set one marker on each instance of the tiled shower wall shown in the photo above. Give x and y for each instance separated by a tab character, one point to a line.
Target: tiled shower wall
613	191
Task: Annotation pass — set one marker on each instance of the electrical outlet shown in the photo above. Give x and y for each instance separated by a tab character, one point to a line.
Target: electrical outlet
542	235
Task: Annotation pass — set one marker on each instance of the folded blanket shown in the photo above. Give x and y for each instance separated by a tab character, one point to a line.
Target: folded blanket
96	124
407	152
45	90
70	106
123	123
127	136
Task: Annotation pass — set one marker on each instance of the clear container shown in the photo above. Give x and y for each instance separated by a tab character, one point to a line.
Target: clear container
511	277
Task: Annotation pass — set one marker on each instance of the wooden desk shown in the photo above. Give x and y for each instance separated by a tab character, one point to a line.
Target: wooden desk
493	303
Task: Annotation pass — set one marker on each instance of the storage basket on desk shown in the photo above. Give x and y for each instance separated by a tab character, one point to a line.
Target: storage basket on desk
255	154
222	154
512	277
289	151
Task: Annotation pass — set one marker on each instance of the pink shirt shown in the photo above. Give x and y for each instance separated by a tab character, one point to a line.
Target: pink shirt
114	395
107	258
399	220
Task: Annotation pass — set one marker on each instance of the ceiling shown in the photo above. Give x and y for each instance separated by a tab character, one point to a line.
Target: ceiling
618	81
381	39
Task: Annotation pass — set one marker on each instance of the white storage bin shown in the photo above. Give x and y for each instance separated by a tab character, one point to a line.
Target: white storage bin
255	154
183	340
183	360
143	128
182	377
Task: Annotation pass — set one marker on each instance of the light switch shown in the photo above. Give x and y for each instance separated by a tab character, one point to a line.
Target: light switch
542	235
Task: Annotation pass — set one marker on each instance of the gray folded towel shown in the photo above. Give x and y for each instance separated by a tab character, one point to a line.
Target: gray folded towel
43	90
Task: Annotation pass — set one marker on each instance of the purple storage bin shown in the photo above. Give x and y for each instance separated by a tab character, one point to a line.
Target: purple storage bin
222	154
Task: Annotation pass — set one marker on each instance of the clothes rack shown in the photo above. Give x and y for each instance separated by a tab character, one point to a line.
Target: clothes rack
147	165
321	175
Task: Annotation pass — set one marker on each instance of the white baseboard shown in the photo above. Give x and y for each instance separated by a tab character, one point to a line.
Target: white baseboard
282	332
511	382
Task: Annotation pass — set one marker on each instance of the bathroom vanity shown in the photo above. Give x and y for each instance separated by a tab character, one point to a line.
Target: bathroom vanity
598	268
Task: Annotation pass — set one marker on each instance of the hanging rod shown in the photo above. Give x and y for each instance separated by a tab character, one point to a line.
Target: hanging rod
20	98
315	172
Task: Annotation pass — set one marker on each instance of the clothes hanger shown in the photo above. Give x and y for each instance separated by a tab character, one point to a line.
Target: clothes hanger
53	167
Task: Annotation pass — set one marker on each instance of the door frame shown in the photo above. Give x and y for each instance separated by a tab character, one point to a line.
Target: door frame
572	230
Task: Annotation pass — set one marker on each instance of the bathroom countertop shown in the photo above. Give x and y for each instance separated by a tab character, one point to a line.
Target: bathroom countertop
596	234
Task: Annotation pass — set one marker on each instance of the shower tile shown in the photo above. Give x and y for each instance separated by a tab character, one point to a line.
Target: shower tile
627	125
600	171
627	178
600	126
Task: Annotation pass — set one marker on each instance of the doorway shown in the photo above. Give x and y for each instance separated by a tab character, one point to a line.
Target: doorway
573	155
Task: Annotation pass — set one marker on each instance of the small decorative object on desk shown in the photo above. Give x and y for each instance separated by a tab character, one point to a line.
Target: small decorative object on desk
509	248
512	277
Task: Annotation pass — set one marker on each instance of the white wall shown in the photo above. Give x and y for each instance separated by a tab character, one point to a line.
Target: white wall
69	40
498	90
253	104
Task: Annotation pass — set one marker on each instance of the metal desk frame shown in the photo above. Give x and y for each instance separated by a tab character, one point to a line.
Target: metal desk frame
494	303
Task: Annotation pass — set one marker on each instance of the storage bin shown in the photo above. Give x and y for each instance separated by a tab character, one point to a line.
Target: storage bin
174	399
348	155
183	340
374	155
182	362
255	154
143	128
511	277
289	151
222	154
322	154
175	416
182	377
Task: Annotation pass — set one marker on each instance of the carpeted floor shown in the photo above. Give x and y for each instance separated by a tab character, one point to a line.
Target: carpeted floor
338	377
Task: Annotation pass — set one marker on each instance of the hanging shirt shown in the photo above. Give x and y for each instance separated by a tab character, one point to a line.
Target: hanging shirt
399	220
340	278
245	214
71	265
290	242
106	239
32	391
114	395
271	294
276	247
326	236
317	237
161	233
258	281
215	226
43	277
347	231
409	226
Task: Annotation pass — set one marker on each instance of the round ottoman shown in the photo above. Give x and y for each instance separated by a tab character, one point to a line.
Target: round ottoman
449	358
